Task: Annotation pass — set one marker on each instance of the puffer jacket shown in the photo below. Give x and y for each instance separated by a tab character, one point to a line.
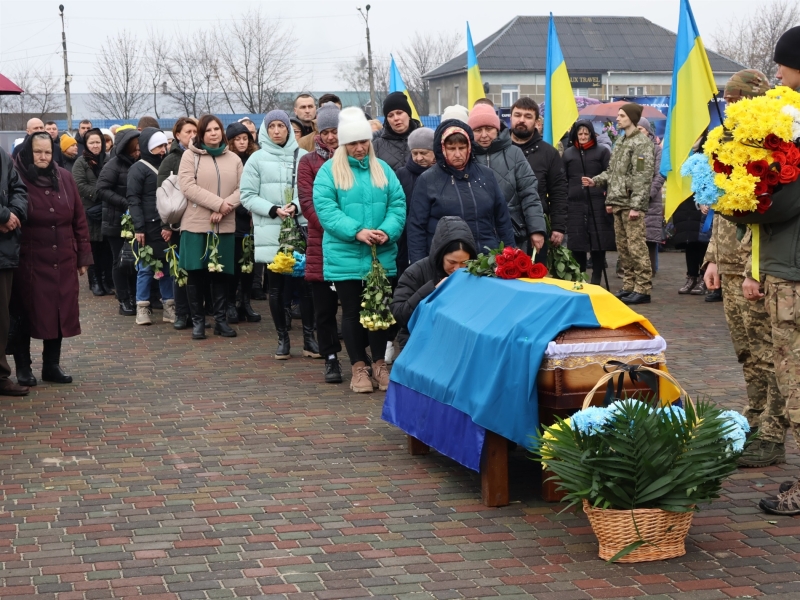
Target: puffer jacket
472	194
86	180
549	170
581	232
142	196
518	183
408	176
688	222
654	217
343	213
112	184
171	162
392	148
208	181
307	171
265	179
421	278
13	199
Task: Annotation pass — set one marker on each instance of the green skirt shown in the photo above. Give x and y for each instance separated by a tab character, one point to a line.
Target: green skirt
194	251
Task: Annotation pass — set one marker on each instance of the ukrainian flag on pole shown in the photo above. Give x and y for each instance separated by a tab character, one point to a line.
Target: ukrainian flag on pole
396	84
560	108
474	83
693	86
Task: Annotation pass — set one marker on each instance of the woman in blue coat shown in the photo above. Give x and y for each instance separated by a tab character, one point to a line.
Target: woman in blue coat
360	204
457	186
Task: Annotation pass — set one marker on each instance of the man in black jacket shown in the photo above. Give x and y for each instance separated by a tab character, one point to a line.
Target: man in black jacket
391	143
13	212
547	166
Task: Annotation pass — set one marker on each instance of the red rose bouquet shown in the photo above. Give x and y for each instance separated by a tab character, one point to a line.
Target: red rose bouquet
506	263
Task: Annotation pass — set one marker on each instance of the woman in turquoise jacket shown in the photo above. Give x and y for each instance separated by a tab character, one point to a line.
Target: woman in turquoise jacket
360	203
267	178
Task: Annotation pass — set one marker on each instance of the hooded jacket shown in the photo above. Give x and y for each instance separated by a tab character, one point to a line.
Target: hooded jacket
472	194
518	183
171	162
421	278
85	176
142	186
112	184
392	148
549	170
265	179
13	199
307	171
582	231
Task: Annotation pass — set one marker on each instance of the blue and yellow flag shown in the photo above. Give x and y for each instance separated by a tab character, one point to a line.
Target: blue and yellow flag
474	83
693	86
560	108
396	84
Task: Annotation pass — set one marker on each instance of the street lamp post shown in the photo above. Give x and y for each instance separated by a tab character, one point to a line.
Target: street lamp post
67	76
373	109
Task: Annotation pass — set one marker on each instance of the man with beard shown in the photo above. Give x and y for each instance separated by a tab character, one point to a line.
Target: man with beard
546	163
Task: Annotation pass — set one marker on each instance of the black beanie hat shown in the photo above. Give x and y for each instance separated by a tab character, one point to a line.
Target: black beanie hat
634	111
396	101
787	50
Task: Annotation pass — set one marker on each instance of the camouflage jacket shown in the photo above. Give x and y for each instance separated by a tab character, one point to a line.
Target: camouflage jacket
725	249
630	173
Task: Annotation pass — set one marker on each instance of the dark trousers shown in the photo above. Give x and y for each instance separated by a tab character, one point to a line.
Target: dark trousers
246	279
695	252
181	299
103	263
326	305
6	279
279	299
121	275
356	338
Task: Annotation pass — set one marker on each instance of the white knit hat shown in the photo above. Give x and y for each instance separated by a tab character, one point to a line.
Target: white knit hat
353	126
456	112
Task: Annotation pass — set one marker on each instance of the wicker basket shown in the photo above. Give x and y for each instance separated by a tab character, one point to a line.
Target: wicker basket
665	531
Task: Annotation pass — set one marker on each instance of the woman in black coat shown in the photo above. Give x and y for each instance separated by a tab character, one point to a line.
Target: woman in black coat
112	191
452	244
587	230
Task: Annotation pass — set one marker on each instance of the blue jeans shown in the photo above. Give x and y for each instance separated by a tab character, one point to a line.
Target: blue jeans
143	279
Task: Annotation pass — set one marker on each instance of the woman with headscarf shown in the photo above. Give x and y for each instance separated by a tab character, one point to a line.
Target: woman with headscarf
360	204
589	228
85	171
457	187
54	250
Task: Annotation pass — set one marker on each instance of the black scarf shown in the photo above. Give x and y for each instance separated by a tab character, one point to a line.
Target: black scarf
95	161
47	177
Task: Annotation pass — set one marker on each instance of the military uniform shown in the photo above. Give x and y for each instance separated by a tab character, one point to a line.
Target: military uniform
627	182
751	332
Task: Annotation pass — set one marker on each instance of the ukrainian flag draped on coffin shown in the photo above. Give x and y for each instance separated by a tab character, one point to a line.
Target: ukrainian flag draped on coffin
396	84
560	108
692	87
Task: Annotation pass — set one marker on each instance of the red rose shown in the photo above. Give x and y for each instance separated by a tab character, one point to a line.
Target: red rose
773	178
522	262
509	271
722	168
789	173
757	168
500	260
764	204
772	142
793	155
779	158
784	146
537	271
761	188
509	252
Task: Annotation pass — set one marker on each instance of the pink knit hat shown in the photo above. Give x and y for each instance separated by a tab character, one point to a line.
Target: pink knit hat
483	115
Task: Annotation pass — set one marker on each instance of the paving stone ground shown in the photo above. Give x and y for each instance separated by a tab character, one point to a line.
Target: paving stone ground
175	469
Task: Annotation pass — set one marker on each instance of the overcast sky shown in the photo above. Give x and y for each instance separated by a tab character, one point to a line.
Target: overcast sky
328	32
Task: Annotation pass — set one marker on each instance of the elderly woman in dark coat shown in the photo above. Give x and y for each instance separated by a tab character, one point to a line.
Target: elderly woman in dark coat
587	230
54	250
85	172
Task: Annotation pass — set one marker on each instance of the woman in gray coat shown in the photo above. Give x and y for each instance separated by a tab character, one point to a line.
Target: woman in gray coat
654	218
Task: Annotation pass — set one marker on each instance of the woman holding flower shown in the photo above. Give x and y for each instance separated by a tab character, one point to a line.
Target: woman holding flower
360	204
209	176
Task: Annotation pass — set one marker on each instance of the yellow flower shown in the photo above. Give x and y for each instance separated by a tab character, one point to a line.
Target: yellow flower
545	451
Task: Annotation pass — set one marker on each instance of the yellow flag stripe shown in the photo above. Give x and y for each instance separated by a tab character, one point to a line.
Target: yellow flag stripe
563	108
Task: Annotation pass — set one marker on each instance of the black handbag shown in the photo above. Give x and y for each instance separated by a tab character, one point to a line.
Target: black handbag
95	213
126	258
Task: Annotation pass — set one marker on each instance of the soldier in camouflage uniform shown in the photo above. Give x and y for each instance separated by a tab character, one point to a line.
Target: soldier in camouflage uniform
748	322
628	180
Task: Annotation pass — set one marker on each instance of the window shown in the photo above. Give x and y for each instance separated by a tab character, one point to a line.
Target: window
458	96
637	91
509	95
580	92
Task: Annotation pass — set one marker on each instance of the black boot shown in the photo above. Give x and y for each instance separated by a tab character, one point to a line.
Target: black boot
333	371
288	312
279	318
232	314
310	346
181	322
198	315
127	307
597	276
219	296
283	351
246	312
22	362
51	357
107	282
94	283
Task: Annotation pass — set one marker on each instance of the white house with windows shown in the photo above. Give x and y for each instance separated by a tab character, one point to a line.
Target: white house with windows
605	57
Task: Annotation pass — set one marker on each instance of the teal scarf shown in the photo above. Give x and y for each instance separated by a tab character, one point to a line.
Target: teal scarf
214	151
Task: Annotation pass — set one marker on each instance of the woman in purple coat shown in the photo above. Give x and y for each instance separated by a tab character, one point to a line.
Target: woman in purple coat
54	250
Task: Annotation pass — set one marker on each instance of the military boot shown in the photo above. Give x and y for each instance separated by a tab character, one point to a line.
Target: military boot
761	453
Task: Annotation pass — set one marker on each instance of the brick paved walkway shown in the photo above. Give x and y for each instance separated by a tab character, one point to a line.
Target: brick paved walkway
177	469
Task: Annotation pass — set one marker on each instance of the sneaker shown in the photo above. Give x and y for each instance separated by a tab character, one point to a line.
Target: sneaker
380	375
786	503
785	486
761	453
389	357
333	371
143	313
700	288
688	286
169	311
361	382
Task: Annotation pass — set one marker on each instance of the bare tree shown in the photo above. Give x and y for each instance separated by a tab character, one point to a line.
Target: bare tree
355	76
255	61
751	40
423	53
156	63
119	86
40	97
193	75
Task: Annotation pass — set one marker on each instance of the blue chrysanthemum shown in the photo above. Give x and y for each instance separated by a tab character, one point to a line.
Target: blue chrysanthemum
299	269
590	420
737	436
705	190
631	404
676	411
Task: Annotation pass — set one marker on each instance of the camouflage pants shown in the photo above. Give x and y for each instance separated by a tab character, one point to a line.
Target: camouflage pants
634	257
783	306
751	334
